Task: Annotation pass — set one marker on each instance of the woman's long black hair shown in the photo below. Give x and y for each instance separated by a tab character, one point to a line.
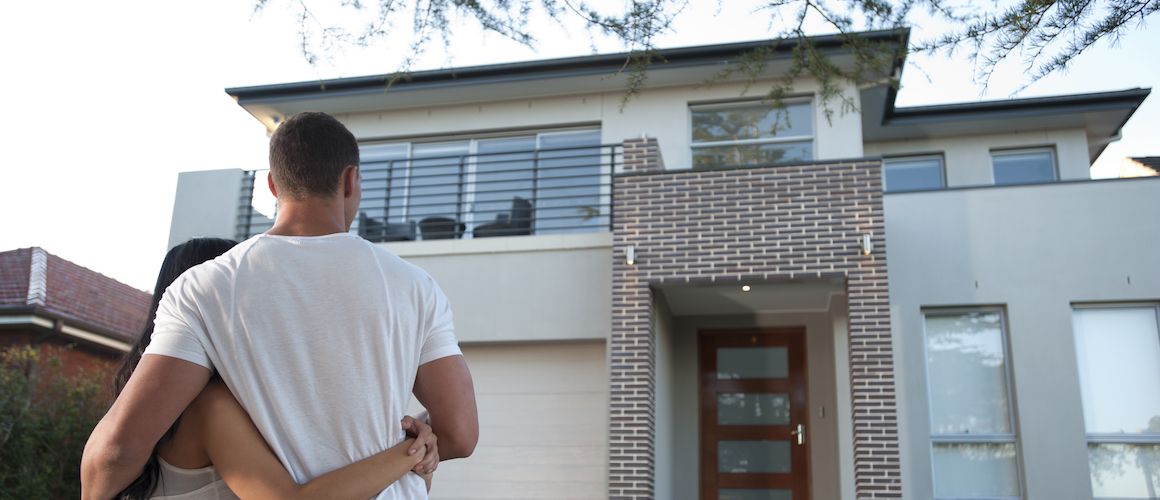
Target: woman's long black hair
177	261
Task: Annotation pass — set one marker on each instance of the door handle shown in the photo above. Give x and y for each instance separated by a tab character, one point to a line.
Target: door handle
800	433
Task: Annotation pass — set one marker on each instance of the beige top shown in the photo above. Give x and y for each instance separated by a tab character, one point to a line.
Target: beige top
175	483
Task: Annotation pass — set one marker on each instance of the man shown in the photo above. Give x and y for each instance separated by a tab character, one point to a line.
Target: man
319	334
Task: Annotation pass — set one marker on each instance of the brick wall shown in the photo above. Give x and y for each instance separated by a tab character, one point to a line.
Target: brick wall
725	226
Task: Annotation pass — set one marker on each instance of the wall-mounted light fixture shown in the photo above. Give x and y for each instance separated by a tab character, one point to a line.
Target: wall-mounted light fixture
867	244
630	255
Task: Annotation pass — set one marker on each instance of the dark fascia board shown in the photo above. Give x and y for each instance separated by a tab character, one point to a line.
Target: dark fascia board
1076	103
684	56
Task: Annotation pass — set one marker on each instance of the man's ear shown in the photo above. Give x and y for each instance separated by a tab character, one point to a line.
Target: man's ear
270	182
349	181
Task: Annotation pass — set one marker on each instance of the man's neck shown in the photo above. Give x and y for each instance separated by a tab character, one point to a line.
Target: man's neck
310	217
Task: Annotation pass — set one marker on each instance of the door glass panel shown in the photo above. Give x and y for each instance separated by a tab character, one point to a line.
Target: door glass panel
752	362
753	456
568	189
433	192
735	408
1124	470
975	470
752	494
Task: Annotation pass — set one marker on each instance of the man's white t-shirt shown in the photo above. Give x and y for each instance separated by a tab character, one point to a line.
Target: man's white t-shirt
318	337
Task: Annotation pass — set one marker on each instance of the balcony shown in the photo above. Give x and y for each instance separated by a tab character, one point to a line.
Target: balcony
466	196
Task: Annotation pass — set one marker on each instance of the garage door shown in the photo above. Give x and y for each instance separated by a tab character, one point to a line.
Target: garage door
543	424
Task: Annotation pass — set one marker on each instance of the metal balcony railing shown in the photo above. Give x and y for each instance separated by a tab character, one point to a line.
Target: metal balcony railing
510	193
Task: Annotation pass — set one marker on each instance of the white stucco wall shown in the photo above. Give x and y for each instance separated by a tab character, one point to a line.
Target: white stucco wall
662	113
522	288
968	158
205	204
1034	250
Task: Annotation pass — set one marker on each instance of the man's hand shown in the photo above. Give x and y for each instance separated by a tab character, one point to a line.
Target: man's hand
424	438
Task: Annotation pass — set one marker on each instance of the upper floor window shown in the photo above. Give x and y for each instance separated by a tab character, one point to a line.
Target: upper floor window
537	183
913	173
972	427
1118	350
752	133
1023	166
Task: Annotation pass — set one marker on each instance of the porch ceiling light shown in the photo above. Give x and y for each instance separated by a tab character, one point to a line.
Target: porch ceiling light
867	244
745	288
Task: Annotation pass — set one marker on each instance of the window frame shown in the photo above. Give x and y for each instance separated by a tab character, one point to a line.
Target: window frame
942	170
1012	407
725	105
1103	438
1050	149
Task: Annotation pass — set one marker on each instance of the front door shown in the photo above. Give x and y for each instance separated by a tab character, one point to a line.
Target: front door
753	414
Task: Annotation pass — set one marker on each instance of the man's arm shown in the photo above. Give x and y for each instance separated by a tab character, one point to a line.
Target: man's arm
154	397
444	387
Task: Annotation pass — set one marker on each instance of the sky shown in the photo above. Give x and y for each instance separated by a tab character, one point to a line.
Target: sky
106	102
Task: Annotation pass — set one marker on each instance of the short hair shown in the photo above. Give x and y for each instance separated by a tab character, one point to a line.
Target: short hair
308	153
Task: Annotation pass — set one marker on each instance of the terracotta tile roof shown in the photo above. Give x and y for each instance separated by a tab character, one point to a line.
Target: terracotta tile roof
33	278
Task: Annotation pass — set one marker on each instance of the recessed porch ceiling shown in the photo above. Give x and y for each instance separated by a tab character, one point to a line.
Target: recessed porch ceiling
762	298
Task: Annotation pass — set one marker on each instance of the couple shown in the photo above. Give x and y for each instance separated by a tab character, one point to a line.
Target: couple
319	339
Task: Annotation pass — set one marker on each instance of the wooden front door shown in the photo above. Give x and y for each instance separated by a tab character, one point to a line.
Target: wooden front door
753	414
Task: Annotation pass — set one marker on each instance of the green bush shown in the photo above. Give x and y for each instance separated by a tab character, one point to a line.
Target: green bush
45	419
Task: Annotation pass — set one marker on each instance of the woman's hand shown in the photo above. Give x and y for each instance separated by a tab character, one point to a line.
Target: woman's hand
425	442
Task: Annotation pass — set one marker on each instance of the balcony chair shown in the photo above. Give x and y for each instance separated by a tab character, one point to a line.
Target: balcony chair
516	223
375	231
441	228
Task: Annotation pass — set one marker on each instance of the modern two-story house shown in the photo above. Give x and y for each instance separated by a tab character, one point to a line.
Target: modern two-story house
696	294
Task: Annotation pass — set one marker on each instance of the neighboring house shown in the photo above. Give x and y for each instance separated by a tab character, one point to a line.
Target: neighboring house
696	295
1143	166
87	319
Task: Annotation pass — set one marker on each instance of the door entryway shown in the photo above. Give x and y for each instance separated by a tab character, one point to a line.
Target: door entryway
754	410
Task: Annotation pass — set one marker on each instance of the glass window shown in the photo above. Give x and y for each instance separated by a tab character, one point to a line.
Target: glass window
753	133
972	432
1118	351
1023	166
913	173
537	183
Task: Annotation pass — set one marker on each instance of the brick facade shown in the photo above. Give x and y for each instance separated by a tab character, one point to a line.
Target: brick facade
724	226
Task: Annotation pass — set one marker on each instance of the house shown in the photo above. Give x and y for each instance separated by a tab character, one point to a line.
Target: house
694	294
1144	166
86	319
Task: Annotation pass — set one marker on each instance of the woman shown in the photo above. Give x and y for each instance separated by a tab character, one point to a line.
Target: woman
214	450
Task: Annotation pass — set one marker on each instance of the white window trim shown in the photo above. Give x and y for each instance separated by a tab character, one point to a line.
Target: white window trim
990	438
1023	150
942	166
811	138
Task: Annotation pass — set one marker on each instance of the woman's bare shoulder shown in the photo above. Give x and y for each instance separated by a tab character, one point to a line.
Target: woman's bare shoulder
215	399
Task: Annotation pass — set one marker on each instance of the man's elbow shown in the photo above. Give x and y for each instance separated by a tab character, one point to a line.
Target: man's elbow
460	444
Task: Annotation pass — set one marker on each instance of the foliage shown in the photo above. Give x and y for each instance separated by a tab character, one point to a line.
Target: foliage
1045	34
45	419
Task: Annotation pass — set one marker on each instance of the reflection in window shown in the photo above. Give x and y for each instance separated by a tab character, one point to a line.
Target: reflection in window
913	173
1023	166
972	433
1118	354
753	133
